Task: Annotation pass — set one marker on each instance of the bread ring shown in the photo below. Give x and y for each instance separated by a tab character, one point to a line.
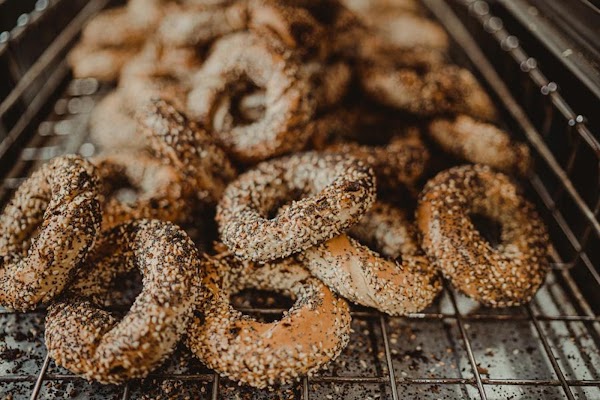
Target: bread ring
138	90
339	189
102	63
157	59
378	7
447	89
46	231
187	147
113	28
508	274
375	51
87	340
198	26
365	277
294	26
480	143
246	59
401	162
312	333
112	127
409	30
329	84
160	191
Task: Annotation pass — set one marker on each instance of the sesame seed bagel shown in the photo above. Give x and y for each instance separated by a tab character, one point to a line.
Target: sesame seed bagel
312	333
196	26
508	274
88	340
160	190
387	229
112	127
236	62
480	143
114	27
293	25
338	190
156	59
446	89
373	279
187	147
102	63
401	161
46	231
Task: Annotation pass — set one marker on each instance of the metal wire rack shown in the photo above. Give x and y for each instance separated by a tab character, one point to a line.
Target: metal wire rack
455	349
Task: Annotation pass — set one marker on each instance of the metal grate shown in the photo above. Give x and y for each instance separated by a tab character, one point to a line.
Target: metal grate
454	349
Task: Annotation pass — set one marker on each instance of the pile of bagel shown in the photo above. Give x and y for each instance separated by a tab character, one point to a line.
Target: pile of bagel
325	150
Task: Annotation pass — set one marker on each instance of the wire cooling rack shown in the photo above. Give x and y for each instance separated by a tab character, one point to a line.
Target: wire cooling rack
455	349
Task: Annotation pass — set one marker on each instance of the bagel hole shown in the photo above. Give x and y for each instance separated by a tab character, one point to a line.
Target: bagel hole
124	289
489	228
263	305
247	103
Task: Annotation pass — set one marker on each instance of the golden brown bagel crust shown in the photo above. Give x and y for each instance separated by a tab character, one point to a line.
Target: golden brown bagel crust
337	191
188	147
241	59
161	192
46	231
112	127
312	333
373	279
502	276
88	340
480	143
446	89
400	162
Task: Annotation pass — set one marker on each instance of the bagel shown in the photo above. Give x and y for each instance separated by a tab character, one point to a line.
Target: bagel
312	333
102	63
197	26
186	146
373	279
88	340
338	190
160	190
244	60
112	127
505	275
447	89
480	143
401	161
46	231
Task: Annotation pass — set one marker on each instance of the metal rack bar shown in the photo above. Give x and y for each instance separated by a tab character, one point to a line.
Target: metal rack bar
388	357
126	392
215	387
305	392
337	379
548	350
468	348
40	378
589	319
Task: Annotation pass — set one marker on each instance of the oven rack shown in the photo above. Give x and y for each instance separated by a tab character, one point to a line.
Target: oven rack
454	349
